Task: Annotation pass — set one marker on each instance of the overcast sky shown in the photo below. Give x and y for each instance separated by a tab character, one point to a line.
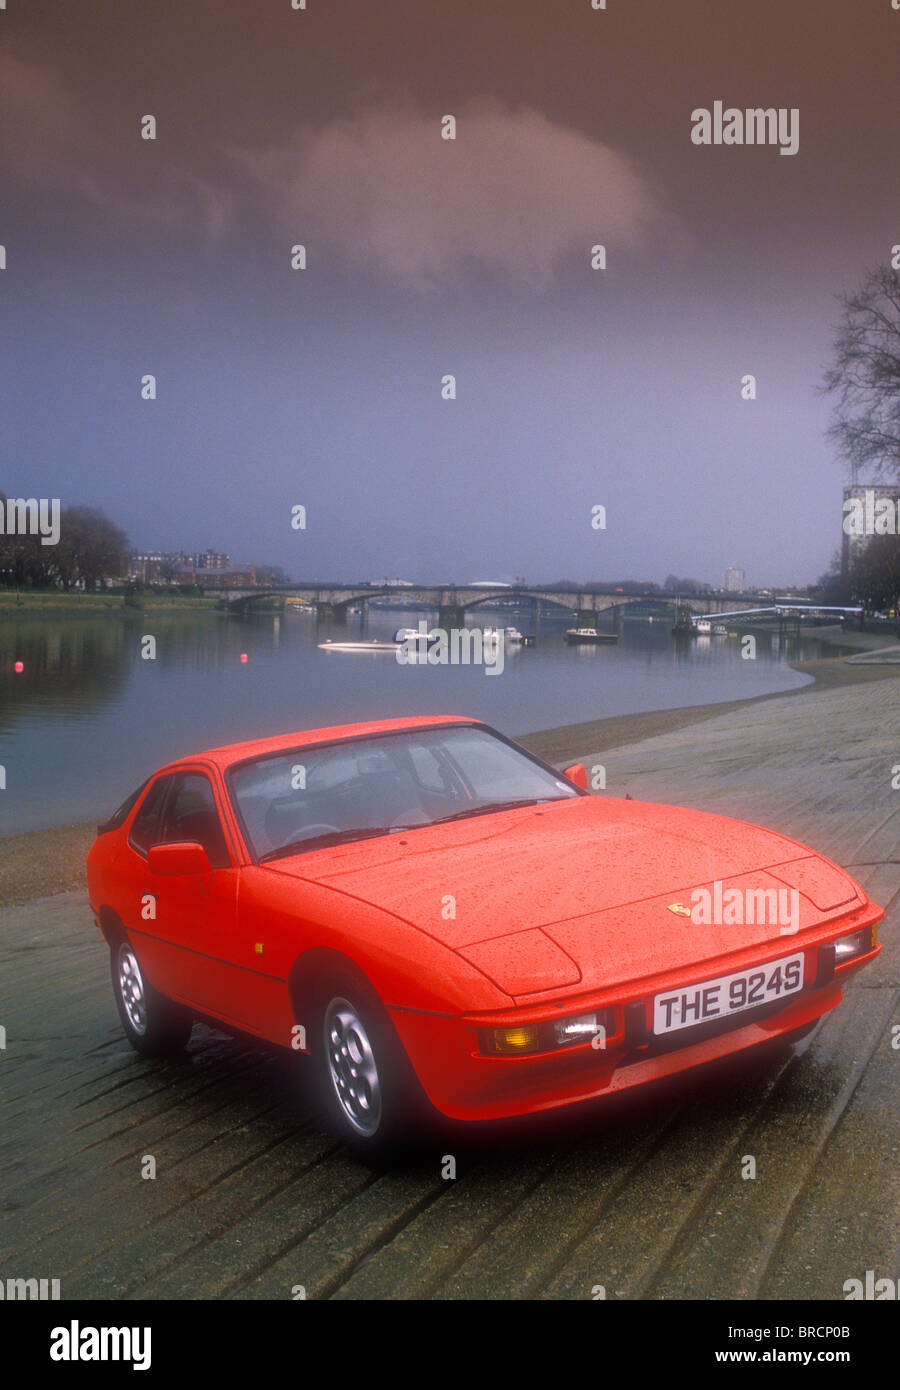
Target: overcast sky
576	387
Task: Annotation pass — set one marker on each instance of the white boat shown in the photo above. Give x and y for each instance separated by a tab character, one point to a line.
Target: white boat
371	646
411	636
590	635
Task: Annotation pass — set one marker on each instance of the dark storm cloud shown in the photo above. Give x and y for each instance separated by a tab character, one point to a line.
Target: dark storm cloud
53	141
515	193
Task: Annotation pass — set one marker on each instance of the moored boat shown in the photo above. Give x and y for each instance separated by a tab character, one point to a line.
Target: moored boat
590	635
368	646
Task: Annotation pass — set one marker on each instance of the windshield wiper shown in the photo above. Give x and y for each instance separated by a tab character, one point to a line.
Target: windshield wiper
330	837
336	837
488	806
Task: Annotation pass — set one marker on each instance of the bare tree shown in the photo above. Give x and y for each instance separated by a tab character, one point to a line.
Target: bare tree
833	586
865	377
875	577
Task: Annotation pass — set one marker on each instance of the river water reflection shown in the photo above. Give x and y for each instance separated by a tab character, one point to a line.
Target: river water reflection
88	717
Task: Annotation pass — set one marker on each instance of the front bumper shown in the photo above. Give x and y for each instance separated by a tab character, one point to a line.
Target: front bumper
465	1084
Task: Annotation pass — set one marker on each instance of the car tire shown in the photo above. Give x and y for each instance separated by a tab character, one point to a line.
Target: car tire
365	1082
153	1025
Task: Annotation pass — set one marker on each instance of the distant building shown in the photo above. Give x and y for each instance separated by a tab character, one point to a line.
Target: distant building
862	518
211	560
733	580
155	566
207	568
217	576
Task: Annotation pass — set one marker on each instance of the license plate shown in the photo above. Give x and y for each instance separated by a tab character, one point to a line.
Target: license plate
729	994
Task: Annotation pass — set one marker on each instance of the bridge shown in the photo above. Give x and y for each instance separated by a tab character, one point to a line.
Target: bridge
453	601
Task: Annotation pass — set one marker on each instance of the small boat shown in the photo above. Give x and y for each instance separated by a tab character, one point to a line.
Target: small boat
413	637
590	634
370	646
512	634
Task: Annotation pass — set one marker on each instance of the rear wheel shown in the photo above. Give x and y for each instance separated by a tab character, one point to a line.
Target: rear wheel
153	1025
367	1086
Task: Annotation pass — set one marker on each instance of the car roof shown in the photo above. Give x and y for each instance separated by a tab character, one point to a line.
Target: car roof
236	752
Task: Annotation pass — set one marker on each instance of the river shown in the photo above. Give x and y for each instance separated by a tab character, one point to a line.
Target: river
88	717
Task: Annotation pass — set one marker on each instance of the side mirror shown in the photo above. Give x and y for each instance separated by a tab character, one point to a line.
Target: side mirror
184	857
577	773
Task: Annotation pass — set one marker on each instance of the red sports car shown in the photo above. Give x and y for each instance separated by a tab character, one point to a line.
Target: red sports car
440	919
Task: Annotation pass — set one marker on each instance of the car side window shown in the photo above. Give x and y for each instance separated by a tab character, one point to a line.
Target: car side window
191	814
145	826
120	816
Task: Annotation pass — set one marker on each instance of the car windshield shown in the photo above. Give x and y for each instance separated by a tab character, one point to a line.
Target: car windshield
359	788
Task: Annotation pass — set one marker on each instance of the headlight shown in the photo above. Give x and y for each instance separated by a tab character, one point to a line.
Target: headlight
856	944
546	1036
575	1030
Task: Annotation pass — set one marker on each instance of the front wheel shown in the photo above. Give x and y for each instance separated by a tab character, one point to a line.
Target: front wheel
367	1086
153	1025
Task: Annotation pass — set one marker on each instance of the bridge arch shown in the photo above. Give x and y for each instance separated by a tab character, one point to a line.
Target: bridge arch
452	602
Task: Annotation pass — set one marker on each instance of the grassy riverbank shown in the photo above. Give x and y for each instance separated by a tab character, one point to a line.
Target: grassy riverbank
32	604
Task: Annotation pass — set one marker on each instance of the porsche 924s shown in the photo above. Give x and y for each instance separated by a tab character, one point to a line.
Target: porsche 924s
444	922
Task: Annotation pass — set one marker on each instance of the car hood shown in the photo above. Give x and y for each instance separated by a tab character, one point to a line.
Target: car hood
577	891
